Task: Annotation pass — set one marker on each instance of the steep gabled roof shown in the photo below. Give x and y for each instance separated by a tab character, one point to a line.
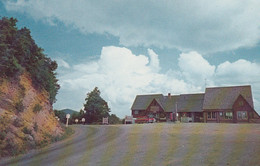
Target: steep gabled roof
190	102
142	101
224	97
170	102
185	103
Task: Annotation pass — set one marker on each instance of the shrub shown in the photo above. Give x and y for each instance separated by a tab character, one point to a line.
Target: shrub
26	130
37	108
19	106
2	135
11	148
35	127
18	122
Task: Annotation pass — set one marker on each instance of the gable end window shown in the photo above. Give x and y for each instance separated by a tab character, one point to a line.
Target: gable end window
241	103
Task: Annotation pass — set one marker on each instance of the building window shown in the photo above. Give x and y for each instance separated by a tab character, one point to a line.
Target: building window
136	112
221	114
228	115
212	115
242	115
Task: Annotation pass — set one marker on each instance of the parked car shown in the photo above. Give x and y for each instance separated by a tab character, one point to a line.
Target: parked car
151	120
145	119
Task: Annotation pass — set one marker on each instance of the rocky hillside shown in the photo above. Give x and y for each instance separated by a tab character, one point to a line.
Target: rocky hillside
26	117
28	87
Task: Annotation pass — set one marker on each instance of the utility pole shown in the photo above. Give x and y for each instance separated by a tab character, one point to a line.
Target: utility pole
176	110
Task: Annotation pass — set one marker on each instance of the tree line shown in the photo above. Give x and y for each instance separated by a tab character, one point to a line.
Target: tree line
95	108
19	53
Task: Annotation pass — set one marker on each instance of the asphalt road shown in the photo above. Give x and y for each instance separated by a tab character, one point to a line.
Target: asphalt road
75	150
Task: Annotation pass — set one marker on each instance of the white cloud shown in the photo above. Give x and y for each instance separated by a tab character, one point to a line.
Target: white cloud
121	75
195	68
238	71
205	26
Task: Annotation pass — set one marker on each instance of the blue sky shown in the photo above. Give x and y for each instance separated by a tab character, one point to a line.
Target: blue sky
137	47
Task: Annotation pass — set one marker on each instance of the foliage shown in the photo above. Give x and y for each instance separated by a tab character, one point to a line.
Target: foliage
37	108
2	135
18	122
19	53
96	107
11	148
19	106
74	116
113	119
26	130
35	127
61	115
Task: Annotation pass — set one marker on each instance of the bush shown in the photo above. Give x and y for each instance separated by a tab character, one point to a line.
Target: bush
37	108
18	122
19	106
26	131
11	148
2	135
35	127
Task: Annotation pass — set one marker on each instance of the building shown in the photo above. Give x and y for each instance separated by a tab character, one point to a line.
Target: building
220	104
229	104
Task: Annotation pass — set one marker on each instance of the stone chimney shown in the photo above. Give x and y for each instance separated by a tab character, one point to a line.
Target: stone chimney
169	96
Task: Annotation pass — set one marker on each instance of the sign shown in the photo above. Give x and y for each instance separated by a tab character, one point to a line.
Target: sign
76	120
83	120
154	109
105	121
67	116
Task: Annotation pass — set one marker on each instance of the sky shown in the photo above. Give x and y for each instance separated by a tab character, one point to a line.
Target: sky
132	47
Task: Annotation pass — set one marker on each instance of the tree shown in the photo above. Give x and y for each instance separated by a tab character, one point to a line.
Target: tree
113	119
19	53
96	107
61	115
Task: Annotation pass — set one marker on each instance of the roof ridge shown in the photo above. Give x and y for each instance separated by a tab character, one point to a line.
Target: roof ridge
193	94
218	87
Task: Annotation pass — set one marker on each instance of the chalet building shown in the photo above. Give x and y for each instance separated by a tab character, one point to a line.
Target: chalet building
220	104
229	104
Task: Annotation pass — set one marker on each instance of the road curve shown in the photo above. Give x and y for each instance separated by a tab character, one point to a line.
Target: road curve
71	151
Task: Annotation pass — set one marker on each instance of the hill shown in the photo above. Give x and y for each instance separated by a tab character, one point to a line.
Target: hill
28	87
69	111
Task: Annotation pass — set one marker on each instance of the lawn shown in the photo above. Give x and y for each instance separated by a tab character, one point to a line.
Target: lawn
186	144
152	144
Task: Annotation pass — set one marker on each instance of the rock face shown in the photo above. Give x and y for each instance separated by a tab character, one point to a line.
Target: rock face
26	117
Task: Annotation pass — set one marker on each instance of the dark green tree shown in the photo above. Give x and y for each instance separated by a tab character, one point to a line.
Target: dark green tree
113	119
61	115
19	53
96	107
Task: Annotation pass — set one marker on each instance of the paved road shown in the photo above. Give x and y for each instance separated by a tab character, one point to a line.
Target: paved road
150	144
84	146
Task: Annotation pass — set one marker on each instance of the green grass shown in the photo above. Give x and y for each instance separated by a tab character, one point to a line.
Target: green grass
132	139
173	143
194	142
153	144
111	145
